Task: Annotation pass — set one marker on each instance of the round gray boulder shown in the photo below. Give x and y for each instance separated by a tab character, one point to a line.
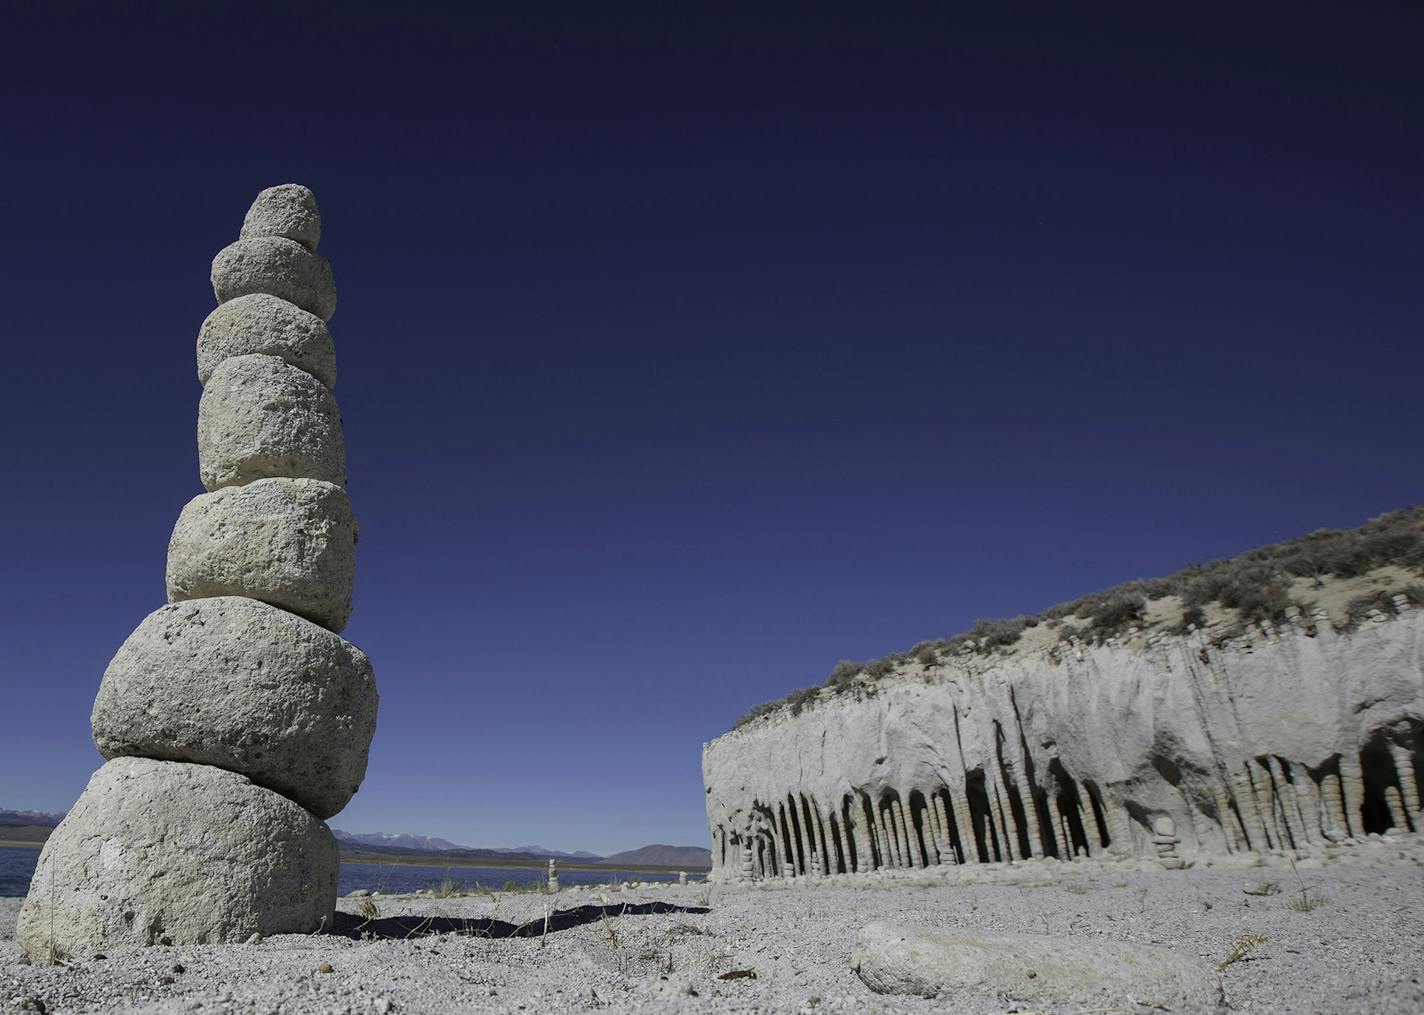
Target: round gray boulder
244	686
288	542
288	210
260	418
279	267
270	325
159	852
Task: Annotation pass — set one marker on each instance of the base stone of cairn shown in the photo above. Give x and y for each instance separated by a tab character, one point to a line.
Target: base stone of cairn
288	542
160	852
234	719
236	683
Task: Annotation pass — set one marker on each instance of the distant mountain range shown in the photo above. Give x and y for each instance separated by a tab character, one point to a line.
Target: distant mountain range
35	826
27	826
13	819
578	854
400	840
432	844
690	857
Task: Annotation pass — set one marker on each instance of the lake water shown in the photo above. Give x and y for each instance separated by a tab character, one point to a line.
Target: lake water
393	878
16	866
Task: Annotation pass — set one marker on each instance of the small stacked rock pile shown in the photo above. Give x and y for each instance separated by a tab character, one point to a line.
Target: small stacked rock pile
234	719
1164	841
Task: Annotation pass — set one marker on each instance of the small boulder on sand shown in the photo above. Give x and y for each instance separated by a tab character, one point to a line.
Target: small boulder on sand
1031	969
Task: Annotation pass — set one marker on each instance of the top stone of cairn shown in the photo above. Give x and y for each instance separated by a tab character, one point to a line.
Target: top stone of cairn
288	210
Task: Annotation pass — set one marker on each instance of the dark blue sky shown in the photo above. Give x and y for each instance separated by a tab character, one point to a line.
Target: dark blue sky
684	353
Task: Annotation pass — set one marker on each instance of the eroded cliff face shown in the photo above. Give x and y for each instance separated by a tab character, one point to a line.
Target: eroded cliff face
1157	745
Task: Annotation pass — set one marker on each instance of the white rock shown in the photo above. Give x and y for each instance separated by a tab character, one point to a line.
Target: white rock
158	851
1031	968
260	418
288	542
270	325
288	210
236	683
1149	732
279	267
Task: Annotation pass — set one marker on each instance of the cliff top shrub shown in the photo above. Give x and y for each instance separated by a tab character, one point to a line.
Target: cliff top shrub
1256	584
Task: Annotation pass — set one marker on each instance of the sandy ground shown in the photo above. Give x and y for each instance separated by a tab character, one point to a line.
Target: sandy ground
666	948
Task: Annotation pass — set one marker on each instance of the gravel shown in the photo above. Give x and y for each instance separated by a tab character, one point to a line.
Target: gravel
666	948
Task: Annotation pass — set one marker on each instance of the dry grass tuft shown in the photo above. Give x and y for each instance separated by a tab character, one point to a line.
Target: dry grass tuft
1305	903
1240	949
688	930
1264	888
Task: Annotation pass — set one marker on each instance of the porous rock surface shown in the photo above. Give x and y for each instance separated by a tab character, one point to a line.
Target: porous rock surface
288	210
160	852
260	418
288	542
236	683
279	267
1031	968
272	326
1166	747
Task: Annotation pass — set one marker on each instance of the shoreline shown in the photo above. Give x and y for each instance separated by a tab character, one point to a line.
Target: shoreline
435	860
1318	930
467	863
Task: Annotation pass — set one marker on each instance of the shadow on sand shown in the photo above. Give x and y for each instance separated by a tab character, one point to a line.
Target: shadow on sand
399	927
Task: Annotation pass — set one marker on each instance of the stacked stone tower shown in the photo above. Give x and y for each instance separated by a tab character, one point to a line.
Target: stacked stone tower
235	719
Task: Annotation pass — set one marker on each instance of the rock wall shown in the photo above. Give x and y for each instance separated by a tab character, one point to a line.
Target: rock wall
1157	746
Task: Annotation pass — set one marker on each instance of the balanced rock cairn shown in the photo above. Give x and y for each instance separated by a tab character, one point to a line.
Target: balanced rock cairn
235	719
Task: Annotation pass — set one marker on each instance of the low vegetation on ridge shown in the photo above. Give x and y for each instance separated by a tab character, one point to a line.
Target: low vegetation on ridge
1254	586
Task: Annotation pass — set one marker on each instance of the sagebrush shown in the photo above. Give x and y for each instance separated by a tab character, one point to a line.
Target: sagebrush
1255	584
